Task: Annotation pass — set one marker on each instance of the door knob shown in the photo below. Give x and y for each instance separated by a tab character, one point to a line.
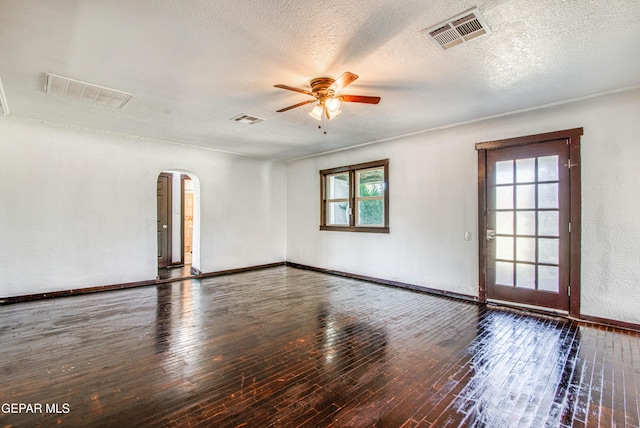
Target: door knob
164	226
491	235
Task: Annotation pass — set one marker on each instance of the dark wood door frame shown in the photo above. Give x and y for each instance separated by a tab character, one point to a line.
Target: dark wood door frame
572	136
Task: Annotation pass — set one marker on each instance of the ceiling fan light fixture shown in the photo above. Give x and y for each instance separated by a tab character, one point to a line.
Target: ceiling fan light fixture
334	114
333	105
332	108
316	113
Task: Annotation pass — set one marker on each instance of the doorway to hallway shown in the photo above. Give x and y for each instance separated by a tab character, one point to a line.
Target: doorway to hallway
177	224
187	219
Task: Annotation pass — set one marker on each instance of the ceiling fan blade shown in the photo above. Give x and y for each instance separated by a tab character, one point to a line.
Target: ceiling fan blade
359	99
344	80
291	88
296	105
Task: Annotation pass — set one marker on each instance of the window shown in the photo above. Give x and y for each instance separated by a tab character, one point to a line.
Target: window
355	198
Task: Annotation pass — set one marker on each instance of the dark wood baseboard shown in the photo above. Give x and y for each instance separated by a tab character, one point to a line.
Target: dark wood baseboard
608	323
76	292
387	282
112	287
239	270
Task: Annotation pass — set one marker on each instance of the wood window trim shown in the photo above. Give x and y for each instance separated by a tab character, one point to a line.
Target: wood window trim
573	137
351	170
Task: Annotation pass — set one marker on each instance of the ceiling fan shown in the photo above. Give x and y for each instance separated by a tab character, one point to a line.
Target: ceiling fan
325	92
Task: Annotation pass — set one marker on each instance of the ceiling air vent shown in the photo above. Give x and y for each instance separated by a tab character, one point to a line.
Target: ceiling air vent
457	30
247	119
88	92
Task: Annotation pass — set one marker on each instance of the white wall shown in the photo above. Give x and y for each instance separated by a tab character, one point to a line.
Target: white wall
78	209
433	202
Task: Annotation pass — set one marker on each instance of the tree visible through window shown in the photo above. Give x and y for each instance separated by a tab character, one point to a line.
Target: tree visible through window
370	197
355	198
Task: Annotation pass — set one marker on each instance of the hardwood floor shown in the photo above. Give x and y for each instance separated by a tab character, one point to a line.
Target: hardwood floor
288	347
175	272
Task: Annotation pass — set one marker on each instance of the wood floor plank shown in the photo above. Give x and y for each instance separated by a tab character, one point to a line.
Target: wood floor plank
285	347
631	376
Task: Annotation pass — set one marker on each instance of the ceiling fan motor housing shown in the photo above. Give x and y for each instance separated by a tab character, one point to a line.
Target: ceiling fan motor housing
320	85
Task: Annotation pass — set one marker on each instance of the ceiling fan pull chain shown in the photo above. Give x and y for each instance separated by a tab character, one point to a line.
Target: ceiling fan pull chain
324	122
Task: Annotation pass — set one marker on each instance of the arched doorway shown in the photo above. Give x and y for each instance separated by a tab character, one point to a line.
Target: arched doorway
178	224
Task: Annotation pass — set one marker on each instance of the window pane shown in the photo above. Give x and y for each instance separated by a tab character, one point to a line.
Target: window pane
548	250
548	168
526	249
504	273
370	182
338	213
549	278
504	222
548	195
504	197
504	172
548	223
525	276
370	212
504	248
338	186
526	223
526	170
525	196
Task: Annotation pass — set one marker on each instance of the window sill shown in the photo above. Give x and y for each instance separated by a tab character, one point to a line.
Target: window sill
356	229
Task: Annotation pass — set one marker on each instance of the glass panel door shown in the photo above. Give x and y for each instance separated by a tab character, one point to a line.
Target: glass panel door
528	224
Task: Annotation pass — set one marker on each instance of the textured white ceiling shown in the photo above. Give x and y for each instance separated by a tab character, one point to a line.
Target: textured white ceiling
193	65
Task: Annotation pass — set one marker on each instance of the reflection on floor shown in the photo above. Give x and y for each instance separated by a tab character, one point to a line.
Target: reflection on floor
287	347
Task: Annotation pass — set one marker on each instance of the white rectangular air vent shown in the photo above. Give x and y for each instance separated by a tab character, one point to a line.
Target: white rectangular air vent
88	92
245	118
457	30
